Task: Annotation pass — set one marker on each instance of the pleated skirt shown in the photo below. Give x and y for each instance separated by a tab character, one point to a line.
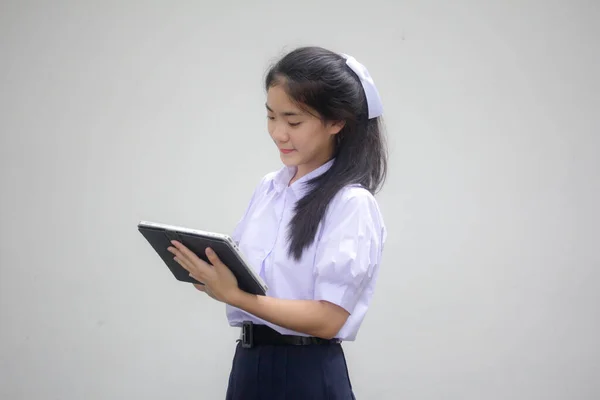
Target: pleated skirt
288	372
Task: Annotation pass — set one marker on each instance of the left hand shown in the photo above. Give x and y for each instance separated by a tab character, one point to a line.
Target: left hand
219	281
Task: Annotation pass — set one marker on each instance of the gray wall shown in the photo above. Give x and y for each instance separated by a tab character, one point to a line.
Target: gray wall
112	112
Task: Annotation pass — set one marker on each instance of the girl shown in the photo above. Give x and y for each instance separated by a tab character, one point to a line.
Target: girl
312	230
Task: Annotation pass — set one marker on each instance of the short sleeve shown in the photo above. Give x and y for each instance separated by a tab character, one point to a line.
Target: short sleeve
349	250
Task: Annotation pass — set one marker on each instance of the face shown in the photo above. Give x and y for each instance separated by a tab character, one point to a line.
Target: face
303	140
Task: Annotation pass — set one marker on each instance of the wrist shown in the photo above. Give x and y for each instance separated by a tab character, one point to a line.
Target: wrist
237	298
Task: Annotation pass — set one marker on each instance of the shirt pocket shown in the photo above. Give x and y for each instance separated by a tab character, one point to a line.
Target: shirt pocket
259	235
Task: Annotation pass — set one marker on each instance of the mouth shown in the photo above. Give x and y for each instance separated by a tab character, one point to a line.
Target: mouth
286	151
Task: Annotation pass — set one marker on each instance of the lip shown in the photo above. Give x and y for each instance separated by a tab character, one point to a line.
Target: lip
286	151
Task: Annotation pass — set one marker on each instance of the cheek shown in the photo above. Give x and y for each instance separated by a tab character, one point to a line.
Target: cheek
304	138
313	140
298	139
270	128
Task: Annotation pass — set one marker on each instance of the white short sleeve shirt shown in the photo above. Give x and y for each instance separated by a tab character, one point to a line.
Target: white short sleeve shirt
342	264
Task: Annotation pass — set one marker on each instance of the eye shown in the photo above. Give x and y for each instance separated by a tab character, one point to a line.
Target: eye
294	124
270	117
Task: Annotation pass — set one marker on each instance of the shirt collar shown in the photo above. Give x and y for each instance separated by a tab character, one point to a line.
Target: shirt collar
283	177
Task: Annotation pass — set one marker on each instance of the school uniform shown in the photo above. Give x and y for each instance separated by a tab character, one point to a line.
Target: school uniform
341	267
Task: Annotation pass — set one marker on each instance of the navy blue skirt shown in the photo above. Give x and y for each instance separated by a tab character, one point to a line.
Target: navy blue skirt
289	372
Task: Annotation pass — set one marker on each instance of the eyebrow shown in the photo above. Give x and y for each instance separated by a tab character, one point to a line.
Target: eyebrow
285	113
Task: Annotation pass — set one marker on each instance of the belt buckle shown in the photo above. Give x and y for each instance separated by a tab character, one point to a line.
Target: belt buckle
247	337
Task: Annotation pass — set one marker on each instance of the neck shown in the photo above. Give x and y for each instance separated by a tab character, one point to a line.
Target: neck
305	169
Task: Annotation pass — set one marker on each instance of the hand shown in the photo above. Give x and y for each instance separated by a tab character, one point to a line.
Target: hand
204	289
219	281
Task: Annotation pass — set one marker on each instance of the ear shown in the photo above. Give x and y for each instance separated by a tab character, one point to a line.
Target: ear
335	127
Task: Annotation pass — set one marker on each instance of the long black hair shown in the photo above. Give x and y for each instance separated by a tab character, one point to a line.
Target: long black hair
319	79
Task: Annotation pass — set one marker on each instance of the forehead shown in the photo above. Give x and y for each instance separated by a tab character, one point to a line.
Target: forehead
279	101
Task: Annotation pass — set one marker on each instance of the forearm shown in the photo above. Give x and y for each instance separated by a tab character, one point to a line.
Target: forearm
311	317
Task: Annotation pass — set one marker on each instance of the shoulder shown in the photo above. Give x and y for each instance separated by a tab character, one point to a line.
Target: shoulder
262	187
268	180
355	198
354	206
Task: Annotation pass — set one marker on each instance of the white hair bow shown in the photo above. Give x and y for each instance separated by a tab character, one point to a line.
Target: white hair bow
373	99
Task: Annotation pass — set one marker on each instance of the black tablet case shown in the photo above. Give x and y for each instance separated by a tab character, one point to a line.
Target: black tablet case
160	240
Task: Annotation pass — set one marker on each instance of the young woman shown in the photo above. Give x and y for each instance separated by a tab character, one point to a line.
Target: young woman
312	230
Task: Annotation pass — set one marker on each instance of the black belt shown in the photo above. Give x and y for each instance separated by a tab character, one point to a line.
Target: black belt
256	335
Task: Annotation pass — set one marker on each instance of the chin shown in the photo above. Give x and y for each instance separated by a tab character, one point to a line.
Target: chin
289	161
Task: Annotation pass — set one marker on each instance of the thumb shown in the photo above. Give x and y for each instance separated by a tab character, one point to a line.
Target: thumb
213	258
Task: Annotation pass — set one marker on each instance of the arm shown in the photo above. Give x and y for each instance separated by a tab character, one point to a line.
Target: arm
312	317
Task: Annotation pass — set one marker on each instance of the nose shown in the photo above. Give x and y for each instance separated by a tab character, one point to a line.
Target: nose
279	133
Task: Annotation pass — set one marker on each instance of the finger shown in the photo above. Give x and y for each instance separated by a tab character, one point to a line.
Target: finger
195	265
179	254
175	252
200	266
186	252
201	288
188	267
204	289
212	257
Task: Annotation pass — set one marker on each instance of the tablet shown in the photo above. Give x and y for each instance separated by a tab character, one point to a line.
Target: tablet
160	236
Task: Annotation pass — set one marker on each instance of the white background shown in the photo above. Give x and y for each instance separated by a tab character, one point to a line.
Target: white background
112	112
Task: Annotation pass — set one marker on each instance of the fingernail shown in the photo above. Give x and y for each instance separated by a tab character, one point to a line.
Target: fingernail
209	251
